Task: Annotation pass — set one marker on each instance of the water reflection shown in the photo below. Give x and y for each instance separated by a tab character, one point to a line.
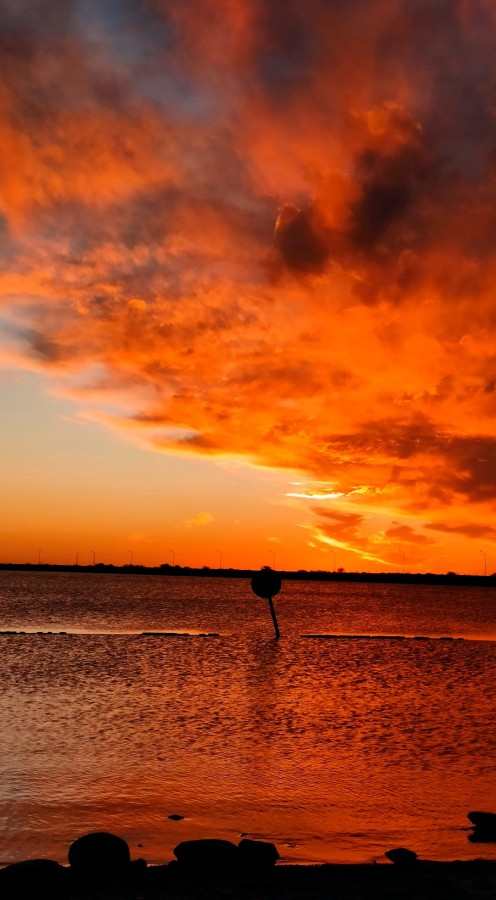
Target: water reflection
337	750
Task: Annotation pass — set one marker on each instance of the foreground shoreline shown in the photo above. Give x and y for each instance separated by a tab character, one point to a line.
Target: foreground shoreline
359	881
424	880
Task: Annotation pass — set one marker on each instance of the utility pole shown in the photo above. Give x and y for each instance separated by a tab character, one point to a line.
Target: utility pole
485	561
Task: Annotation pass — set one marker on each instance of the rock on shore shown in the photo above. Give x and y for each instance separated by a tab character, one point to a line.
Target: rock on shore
484	830
100	868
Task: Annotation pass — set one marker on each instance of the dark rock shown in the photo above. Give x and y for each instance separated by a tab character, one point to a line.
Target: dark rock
209	855
484	831
400	856
137	869
257	855
175	817
41	874
483	819
482	836
99	855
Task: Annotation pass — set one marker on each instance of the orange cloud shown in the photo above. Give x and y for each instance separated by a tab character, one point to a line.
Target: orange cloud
277	246
199	520
405	534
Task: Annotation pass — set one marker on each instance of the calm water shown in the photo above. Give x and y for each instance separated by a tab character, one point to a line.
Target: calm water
336	749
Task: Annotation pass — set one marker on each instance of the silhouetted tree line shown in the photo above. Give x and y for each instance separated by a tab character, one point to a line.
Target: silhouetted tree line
450	578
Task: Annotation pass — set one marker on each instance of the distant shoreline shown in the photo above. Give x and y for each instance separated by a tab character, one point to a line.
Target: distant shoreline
450	578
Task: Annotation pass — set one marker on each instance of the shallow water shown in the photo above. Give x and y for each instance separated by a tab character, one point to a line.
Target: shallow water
336	749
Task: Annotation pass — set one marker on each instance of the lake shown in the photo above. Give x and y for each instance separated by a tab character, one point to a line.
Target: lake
335	748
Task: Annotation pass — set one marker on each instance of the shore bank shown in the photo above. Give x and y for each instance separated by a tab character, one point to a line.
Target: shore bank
425	880
340	577
422	881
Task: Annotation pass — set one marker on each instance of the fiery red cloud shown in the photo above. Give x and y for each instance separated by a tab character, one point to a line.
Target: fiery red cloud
267	230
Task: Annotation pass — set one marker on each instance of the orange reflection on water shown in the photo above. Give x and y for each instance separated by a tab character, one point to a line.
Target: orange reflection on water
335	749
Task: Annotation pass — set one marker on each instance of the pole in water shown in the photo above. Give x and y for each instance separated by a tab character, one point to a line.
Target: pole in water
274	619
266	584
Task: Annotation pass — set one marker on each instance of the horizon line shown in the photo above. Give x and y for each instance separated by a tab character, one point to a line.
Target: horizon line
295	574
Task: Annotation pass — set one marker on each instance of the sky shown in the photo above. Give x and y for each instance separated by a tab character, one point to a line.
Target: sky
247	283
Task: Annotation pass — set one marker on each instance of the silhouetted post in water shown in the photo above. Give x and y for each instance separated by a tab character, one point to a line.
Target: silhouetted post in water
267	584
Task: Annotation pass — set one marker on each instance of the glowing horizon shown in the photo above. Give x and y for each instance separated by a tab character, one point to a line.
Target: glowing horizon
247	245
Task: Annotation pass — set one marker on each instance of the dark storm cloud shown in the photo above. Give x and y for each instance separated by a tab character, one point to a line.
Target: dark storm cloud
390	185
469	530
391	437
287	52
473	468
447	47
440	466
296	237
43	347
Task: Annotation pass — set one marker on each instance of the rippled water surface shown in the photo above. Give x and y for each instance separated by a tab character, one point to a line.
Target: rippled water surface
335	748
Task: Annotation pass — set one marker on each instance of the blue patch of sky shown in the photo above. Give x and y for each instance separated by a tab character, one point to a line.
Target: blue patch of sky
141	40
12	319
29	17
185	99
131	30
9	333
7	245
17	320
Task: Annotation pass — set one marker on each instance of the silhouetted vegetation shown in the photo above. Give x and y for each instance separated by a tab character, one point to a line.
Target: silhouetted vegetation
449	578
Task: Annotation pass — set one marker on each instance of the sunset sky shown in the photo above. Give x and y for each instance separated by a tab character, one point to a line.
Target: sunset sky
248	282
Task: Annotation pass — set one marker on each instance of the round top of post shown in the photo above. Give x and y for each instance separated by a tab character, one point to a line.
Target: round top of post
266	583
